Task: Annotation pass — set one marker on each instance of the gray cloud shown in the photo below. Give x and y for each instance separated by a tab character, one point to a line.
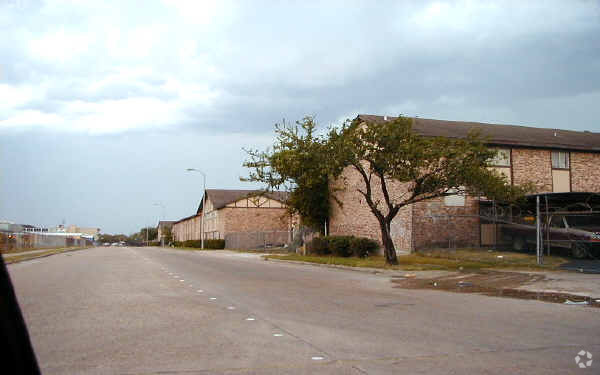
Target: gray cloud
98	100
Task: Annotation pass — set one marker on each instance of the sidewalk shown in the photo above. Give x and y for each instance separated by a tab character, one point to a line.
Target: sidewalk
566	282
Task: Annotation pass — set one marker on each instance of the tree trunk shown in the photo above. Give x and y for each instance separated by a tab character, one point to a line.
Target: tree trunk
388	245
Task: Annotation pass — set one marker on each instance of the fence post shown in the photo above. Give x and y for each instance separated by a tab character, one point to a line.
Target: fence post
538	228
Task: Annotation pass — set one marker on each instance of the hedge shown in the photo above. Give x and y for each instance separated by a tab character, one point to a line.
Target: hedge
342	246
362	247
319	246
208	244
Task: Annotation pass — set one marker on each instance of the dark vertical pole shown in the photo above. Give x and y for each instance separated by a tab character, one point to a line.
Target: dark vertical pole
538	231
547	227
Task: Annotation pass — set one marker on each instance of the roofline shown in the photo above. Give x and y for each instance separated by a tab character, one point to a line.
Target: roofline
500	142
185	218
251	193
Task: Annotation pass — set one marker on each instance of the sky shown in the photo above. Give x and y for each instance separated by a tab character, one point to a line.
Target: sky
104	104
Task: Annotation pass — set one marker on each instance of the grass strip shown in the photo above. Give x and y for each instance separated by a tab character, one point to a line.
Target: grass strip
463	259
24	257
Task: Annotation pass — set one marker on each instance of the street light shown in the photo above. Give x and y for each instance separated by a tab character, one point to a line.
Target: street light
163	216
203	204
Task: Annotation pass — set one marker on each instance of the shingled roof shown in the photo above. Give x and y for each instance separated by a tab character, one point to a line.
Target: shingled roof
222	197
505	135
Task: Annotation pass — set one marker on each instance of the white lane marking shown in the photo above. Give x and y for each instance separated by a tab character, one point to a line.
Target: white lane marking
250	319
213	298
182	280
230	307
200	291
277	334
317	358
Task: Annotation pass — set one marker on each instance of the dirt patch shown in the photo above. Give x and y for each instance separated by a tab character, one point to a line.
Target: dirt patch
493	283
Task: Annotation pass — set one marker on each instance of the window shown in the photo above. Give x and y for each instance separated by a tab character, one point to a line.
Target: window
454	200
557	222
502	158
560	160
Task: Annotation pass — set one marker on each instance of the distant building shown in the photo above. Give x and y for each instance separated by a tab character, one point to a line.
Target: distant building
234	211
10	227
94	232
33	229
163	228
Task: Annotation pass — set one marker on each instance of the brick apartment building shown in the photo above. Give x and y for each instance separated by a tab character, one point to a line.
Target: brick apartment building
235	211
553	160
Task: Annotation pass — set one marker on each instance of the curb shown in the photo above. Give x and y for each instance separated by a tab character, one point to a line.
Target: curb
337	266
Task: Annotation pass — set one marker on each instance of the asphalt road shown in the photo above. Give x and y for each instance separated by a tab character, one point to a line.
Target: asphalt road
155	311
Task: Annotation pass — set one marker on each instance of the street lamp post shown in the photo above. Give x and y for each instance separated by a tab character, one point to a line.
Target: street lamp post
158	226
203	204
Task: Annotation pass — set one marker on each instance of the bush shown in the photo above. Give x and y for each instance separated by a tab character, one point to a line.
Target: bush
363	247
197	244
318	246
340	245
214	244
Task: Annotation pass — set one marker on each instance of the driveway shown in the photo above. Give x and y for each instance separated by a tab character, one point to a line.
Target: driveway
151	310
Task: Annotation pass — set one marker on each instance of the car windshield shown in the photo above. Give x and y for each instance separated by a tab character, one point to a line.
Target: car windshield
583	220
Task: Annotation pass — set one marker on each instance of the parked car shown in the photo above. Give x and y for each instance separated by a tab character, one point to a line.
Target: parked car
579	233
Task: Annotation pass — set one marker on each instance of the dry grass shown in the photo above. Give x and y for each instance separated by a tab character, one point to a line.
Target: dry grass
24	257
463	259
495	259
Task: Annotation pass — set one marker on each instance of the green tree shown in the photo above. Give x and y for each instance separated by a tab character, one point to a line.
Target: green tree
167	234
390	153
148	233
110	238
298	163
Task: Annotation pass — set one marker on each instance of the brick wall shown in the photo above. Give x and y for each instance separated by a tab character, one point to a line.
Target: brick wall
187	230
437	225
532	165
227	220
585	172
432	223
254	219
355	218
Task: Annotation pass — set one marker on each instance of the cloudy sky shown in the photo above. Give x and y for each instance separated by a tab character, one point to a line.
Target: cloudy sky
104	104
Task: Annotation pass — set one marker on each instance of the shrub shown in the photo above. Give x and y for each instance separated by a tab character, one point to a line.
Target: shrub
340	245
214	244
192	243
318	246
197	244
363	247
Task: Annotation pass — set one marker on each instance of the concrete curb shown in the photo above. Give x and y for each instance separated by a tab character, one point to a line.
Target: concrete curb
340	267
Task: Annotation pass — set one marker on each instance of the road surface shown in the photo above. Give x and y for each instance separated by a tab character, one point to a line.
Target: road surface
156	311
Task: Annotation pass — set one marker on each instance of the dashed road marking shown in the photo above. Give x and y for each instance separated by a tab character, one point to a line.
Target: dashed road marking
230	307
250	319
213	298
317	358
277	334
